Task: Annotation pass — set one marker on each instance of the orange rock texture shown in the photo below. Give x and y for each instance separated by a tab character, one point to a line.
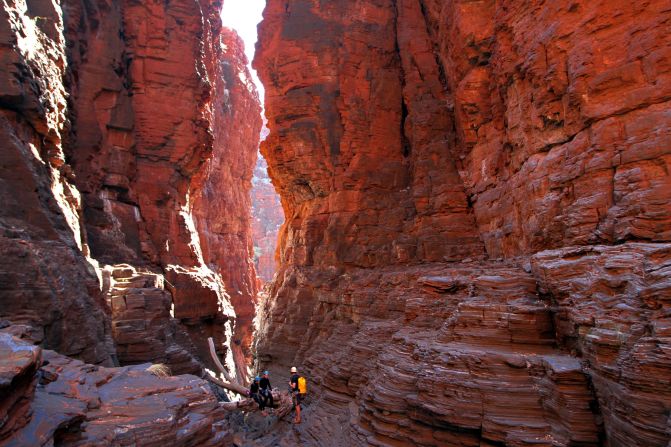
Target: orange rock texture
267	218
478	206
131	131
222	205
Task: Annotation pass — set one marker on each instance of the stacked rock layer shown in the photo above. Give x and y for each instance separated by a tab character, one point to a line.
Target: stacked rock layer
478	216
56	400
131	132
267	219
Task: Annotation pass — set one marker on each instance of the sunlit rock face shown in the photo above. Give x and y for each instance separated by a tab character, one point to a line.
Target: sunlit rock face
222	207
267	218
478	207
46	283
130	132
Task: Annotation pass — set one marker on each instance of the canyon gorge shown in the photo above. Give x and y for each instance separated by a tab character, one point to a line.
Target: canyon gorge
473	226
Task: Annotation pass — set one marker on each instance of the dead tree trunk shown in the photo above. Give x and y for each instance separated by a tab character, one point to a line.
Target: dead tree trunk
282	400
230	384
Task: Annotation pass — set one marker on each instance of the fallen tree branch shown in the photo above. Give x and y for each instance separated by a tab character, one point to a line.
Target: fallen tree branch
235	387
230	384
282	400
217	362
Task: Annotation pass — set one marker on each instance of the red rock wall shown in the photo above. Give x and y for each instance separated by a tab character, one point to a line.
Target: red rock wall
140	134
222	205
267	218
454	176
561	112
46	283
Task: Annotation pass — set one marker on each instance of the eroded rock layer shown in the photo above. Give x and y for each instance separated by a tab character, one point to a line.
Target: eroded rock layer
267	218
131	131
60	401
478	206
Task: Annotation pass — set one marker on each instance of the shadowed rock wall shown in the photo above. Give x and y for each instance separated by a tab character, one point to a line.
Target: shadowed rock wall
478	202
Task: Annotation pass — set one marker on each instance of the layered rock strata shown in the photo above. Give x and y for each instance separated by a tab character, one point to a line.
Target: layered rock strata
142	323
267	218
132	132
478	211
60	401
121	123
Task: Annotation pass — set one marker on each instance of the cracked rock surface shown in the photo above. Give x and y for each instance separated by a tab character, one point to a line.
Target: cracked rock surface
478	207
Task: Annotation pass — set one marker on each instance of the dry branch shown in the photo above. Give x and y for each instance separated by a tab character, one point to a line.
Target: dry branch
235	387
282	400
244	405
217	362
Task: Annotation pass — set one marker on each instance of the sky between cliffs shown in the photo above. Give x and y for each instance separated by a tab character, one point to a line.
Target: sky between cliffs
243	16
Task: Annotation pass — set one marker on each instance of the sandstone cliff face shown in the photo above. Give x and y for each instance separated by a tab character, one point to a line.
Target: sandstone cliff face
267	218
131	136
478	209
561	113
45	282
173	148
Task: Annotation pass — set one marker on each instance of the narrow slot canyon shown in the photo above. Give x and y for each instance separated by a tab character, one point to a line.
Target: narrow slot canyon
453	217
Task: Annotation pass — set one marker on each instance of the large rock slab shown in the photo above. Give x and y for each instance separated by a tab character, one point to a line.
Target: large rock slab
67	402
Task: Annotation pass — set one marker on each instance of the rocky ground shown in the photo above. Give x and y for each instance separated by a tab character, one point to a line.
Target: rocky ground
55	400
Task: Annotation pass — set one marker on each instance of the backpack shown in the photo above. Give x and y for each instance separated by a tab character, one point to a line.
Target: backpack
302	385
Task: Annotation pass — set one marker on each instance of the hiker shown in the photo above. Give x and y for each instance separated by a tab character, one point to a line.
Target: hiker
266	391
254	392
298	390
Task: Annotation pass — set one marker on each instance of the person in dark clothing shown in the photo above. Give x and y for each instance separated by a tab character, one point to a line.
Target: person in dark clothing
296	396
266	390
254	392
